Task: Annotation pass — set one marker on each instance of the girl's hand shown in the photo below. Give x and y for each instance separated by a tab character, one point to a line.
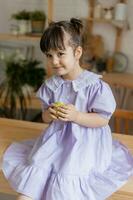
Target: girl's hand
67	113
52	113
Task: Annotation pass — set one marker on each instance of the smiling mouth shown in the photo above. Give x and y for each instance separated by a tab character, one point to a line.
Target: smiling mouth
57	68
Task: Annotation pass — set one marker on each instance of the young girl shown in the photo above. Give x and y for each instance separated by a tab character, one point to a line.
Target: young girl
75	157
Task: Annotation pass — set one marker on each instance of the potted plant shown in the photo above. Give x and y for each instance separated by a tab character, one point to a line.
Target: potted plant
22	78
23	21
38	19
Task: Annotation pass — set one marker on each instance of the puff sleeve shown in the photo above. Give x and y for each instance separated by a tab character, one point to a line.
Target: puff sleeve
101	100
45	95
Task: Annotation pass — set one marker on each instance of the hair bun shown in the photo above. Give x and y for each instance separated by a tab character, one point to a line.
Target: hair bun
77	24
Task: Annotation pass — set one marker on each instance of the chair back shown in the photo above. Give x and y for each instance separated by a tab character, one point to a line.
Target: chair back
122	118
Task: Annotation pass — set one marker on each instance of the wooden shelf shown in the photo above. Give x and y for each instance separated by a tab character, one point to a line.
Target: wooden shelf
92	20
50	10
99	20
9	37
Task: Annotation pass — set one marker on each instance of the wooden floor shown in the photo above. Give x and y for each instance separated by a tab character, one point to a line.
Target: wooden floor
14	130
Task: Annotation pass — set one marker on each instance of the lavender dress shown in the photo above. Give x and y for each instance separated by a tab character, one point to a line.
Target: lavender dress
69	161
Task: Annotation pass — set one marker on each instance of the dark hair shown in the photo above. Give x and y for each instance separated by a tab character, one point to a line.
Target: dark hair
53	36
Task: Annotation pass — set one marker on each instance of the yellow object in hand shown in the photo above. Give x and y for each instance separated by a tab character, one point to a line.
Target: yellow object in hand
58	104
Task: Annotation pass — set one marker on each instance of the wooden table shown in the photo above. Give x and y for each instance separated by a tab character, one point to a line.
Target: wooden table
122	86
15	130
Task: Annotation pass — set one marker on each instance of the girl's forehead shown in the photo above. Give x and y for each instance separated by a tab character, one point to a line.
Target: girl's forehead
52	51
67	48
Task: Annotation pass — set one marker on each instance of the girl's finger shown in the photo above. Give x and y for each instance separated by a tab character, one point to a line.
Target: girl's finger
60	114
53	116
63	119
62	110
52	110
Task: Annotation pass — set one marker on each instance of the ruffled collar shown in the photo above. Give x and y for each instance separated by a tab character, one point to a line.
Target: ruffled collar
85	79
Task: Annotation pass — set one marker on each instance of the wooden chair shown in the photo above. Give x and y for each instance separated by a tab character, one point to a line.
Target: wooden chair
122	118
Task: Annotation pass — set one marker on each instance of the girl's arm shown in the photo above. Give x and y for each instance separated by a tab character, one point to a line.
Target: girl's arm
92	120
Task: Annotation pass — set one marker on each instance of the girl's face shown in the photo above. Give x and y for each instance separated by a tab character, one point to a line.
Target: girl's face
65	62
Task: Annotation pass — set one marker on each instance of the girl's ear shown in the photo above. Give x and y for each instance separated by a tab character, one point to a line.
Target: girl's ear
78	52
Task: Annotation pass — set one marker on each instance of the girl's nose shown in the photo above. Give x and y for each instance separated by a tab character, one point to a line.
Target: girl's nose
55	60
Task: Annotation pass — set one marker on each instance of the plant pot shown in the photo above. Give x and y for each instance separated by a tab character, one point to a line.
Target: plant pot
23	26
37	26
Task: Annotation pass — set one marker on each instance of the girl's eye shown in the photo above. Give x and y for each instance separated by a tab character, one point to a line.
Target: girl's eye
60	54
49	56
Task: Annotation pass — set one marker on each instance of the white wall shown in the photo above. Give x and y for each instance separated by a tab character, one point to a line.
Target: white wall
65	10
62	9
7	7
